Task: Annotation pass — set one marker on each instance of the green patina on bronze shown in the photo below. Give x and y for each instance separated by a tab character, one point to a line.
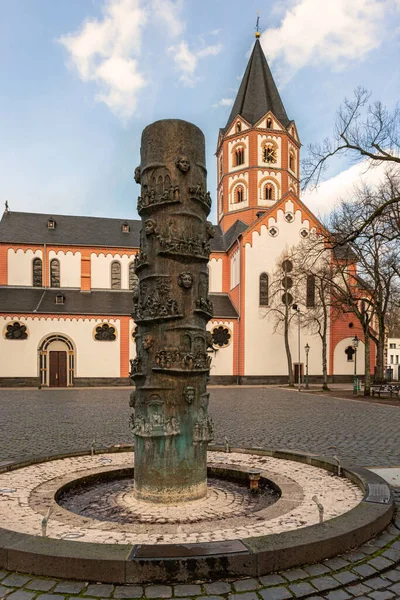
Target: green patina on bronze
171	308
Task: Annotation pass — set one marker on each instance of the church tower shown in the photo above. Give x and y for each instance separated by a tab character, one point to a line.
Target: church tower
258	149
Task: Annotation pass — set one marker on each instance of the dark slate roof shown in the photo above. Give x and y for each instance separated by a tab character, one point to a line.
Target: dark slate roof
344	252
233	233
217	242
107	302
31	228
257	93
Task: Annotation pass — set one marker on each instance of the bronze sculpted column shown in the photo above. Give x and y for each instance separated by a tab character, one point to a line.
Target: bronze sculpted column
171	309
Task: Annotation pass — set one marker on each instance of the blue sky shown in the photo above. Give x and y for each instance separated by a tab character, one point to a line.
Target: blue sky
82	78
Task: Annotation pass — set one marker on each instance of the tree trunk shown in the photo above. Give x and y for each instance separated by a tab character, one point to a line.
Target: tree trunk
324	363
288	353
380	352
367	369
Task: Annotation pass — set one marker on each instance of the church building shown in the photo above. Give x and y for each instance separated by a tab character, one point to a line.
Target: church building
66	281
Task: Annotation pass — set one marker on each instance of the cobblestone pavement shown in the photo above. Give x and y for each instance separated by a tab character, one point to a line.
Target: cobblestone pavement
35	422
46	421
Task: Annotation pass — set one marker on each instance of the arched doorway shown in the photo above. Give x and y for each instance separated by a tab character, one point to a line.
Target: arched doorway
56	361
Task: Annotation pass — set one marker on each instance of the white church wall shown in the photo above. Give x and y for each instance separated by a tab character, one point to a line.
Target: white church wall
215	275
222	359
132	345
19	264
264	349
101	269
92	358
342	366
70	268
235	269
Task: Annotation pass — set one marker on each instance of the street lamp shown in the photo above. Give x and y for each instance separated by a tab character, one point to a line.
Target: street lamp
307	349
297	309
356	341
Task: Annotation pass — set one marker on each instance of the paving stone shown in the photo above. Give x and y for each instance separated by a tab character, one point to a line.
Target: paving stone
21	595
70	587
354	557
245	585
346	577
324	583
273	579
41	585
338	595
301	589
99	590
3	591
3	574
210	598
158	591
278	593
358	589
367	550
392	554
395	589
377	583
16	580
128	591
245	596
295	574
364	570
396	545
381	595
187	590
317	569
380	563
393	575
218	587
49	597
336	563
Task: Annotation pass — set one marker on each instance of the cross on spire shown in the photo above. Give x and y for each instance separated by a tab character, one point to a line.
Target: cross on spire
258	25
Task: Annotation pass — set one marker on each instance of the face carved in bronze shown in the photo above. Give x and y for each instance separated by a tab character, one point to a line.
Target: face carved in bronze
136	176
147	342
189	394
183	163
185	280
149	227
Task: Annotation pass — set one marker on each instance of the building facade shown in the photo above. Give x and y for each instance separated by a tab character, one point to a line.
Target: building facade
66	281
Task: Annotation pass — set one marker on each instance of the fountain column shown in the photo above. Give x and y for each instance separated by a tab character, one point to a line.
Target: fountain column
171	308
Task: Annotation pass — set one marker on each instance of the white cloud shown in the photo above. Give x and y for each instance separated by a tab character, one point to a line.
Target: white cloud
223	102
105	51
187	60
334	32
168	12
329	193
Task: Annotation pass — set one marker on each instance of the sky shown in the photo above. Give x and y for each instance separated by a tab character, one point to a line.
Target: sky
82	78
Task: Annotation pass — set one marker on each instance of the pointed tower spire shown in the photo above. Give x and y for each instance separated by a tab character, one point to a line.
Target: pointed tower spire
258	93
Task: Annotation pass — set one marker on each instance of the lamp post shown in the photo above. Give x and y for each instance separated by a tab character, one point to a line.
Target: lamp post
356	341
307	349
297	309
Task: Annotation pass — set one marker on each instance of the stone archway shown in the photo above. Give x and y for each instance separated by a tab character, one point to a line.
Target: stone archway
56	361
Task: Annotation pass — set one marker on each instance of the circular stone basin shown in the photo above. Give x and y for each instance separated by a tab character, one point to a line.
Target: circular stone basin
91	500
231	533
109	497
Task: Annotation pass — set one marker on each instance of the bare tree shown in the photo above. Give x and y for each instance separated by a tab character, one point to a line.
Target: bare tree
280	305
363	130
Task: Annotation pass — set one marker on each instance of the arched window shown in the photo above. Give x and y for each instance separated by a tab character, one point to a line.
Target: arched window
310	291
239	156
239	194
269	123
238	127
160	185
37	278
221	203
291	161
269	191
270	153
115	275
133	278
264	291
220	167
55	273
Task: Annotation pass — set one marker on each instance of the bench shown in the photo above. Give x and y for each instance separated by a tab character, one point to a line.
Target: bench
386	389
